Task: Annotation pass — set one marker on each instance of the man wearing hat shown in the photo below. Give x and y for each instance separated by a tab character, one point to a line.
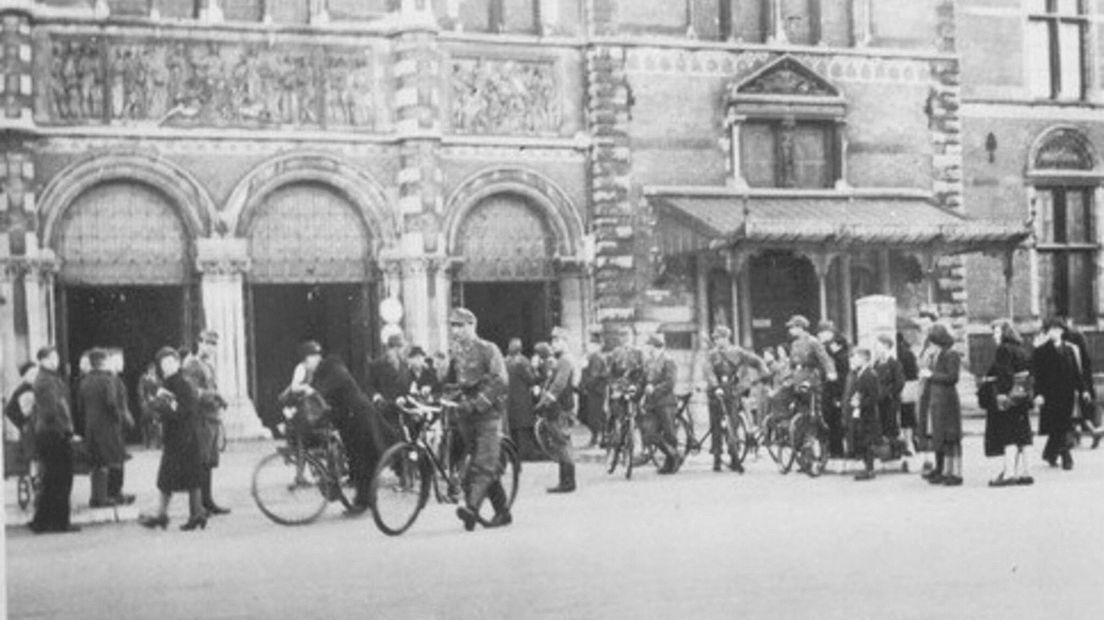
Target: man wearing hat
389	377
728	381
626	369
593	390
199	370
660	404
478	369
557	399
809	361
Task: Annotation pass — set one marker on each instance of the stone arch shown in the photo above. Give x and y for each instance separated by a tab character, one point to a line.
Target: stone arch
190	199
1062	147
362	192
553	204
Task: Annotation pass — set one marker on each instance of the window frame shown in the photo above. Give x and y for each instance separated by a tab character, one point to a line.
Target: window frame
832	150
1054	20
1060	251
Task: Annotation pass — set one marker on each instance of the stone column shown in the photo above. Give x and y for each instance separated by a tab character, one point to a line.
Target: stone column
223	264
38	284
415	299
737	267
822	262
847	317
10	270
440	300
572	296
735	124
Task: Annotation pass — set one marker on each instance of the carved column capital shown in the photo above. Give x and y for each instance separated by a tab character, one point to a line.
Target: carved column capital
216	256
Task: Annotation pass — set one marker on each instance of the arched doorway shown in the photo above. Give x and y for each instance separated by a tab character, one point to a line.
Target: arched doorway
312	277
126	278
507	277
782	284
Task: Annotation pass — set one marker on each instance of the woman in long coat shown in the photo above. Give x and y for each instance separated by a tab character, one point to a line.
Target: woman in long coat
1007	402
181	468
944	407
1057	383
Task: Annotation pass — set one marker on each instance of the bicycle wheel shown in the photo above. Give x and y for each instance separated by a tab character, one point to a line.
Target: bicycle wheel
400	488
627	448
684	437
780	446
342	487
24	492
511	469
221	438
288	487
543	432
613	447
814	449
738	442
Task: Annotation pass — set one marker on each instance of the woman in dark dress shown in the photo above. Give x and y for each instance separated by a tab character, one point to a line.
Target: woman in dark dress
181	469
943	403
910	394
1007	402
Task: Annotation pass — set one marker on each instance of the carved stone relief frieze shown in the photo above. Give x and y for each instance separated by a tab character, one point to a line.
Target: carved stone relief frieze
203	83
505	97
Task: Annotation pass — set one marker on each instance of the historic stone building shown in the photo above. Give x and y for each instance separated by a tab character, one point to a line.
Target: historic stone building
1033	134
274	169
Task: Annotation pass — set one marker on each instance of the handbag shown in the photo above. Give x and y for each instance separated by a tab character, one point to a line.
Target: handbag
1021	391
910	394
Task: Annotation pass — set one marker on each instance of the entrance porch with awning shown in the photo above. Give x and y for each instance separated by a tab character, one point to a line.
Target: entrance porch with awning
728	229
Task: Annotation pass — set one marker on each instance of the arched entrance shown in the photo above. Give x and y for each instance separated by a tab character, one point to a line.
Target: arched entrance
126	278
782	284
312	277
508	277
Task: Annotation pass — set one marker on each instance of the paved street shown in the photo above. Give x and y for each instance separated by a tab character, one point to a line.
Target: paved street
698	544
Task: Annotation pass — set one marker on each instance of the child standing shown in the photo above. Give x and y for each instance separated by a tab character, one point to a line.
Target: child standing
863	405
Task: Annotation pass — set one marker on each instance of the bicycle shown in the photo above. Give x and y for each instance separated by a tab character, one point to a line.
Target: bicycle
798	434
621	429
408	470
294	485
734	425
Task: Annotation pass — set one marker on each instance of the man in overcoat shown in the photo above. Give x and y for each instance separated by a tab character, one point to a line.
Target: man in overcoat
519	400
199	370
556	403
53	428
660	404
1058	383
103	425
594	389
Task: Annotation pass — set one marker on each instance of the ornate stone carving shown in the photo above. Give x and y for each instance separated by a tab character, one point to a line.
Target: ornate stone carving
76	80
505	239
1064	149
197	83
785	76
505	97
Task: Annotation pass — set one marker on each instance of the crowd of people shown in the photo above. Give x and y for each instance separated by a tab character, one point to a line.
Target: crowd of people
882	401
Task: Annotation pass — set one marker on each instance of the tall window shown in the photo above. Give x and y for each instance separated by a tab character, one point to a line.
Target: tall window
1067	248
1056	40
512	16
787	153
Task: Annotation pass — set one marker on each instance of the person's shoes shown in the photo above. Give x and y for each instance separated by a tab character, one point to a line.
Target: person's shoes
935	478
928	471
1067	461
215	509
151	522
124	499
717	464
1051	460
501	519
106	503
1002	481
1098	434
199	521
1025	481
736	466
567	479
952	481
468	516
865	474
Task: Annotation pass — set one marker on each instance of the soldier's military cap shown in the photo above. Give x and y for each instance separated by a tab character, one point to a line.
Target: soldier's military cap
721	332
798	321
462	315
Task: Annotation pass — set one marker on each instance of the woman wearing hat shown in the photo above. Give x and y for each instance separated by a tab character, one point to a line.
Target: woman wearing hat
181	468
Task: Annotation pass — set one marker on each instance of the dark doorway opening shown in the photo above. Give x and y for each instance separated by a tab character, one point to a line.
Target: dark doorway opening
137	319
508	310
782	285
341	317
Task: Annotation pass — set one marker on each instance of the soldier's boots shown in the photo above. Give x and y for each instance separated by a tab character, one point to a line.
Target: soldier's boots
567	479
499	501
468	515
734	464
671	460
717	466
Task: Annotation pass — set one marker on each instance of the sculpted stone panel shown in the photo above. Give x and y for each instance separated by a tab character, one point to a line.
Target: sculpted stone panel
211	84
505	97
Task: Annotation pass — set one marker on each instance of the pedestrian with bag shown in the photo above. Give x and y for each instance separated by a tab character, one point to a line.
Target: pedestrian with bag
1005	394
944	407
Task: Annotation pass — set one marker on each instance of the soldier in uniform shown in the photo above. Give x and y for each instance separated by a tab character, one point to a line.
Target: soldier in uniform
199	370
833	403
555	404
479	372
626	369
727	380
660	404
809	361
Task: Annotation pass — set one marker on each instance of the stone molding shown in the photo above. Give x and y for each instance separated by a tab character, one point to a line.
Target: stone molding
222	256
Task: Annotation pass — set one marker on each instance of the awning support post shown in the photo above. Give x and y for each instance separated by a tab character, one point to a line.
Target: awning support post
1009	299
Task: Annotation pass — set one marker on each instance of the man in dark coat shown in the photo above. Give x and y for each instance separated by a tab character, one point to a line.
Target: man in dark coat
388	378
103	425
521	377
861	400
199	370
594	388
556	403
660	404
1086	418
1058	382
728	379
423	376
832	404
53	428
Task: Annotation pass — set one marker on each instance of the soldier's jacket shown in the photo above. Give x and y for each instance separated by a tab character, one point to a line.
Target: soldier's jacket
480	372
626	367
730	364
557	389
201	375
806	352
661	373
